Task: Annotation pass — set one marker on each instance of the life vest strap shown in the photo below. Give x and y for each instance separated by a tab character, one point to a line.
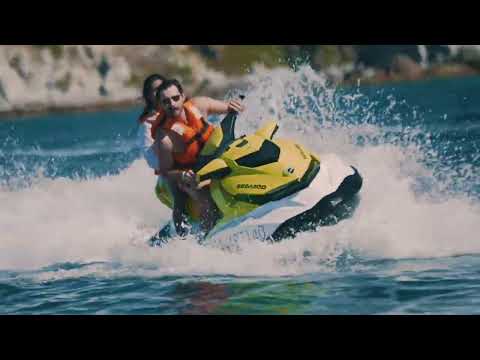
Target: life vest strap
199	135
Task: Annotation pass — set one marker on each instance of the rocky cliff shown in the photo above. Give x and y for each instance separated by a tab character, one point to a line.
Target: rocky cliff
54	77
47	77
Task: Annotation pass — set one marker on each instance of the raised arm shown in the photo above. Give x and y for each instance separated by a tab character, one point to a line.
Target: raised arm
216	107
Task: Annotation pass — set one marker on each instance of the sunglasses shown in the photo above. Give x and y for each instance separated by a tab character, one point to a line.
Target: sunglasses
168	100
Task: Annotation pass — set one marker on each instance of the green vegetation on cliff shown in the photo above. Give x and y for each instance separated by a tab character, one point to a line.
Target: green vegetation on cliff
75	75
238	59
57	51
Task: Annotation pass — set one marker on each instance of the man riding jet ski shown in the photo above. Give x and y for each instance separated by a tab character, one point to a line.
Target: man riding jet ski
263	188
180	132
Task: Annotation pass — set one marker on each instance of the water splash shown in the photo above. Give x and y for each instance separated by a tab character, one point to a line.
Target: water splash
418	200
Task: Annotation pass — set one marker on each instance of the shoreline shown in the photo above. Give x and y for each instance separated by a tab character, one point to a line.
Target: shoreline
19	113
16	114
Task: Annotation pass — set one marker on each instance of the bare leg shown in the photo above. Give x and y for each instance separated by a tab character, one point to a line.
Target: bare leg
209	210
179	212
207	207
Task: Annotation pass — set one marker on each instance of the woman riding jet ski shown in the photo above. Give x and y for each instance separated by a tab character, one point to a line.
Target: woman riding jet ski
264	188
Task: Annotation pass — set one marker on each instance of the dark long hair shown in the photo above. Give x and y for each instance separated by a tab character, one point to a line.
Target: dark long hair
147	87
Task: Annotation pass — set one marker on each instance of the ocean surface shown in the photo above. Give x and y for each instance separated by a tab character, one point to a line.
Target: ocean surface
77	203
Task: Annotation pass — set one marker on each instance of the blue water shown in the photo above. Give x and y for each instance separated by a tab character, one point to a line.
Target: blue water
78	202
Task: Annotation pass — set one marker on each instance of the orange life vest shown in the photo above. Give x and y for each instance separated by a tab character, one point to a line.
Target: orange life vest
194	133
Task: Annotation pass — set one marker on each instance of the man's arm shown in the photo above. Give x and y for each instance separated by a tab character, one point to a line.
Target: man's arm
164	152
216	107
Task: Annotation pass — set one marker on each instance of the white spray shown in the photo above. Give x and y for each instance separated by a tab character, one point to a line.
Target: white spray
107	219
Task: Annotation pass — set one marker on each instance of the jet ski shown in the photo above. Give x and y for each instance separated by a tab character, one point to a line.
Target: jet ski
265	189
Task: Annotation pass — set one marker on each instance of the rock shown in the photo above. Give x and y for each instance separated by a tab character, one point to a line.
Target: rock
103	90
469	56
104	67
381	56
437	53
446	70
406	68
18	64
4	104
3	94
207	51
